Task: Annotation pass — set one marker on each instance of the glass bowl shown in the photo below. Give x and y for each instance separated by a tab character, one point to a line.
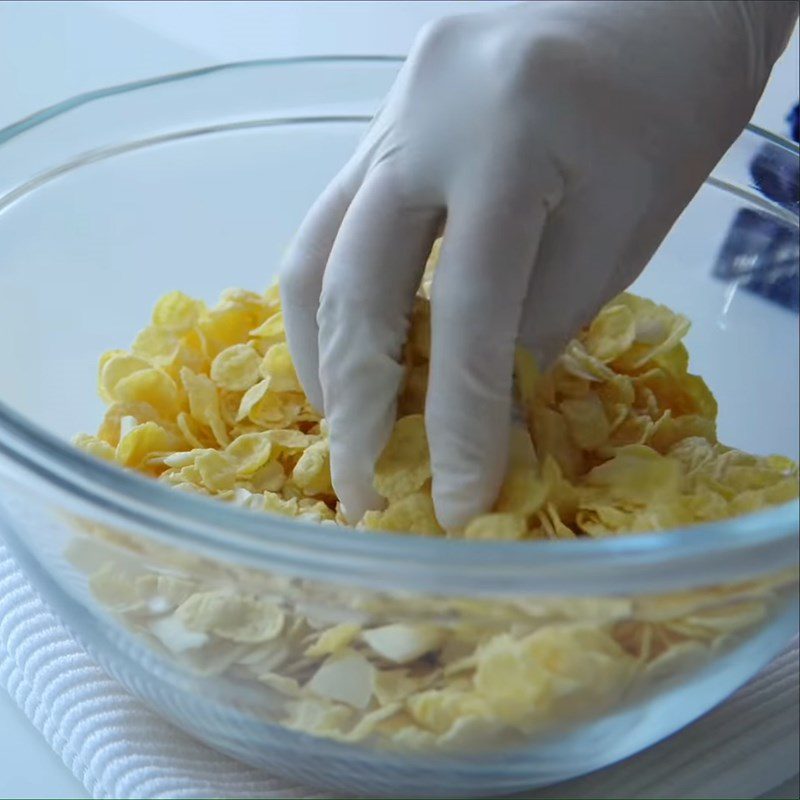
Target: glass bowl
196	182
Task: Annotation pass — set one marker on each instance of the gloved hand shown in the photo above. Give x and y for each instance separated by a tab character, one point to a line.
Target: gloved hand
555	144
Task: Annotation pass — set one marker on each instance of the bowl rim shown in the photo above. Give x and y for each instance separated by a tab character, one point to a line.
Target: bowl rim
41	116
734	547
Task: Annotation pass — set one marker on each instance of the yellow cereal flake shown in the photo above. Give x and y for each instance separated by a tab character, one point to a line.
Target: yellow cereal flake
658	330
217	470
498	526
552	437
333	640
315	510
278	367
636	474
251	398
411	514
312	473
95	446
419	336
270	328
669	430
413	391
579	363
190	430
249	452
151	386
290	440
369	723
177	313
157	346
611	333
524	489
559	665
404	466
320	717
115	367
236	368
273	409
236	617
552	524
227	324
586	421
526	377
111	429
204	403
140	442
393	685
269	478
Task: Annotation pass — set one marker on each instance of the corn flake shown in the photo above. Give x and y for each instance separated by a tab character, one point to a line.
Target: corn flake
411	514
95	446
497	526
312	473
204	403
115	366
249	452
404	466
277	366
217	470
236	617
611	333
333	640
236	368
141	441
177	313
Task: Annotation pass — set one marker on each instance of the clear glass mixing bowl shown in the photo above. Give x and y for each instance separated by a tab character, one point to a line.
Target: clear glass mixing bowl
196	182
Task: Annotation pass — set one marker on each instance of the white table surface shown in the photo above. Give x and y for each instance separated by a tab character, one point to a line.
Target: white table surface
51	50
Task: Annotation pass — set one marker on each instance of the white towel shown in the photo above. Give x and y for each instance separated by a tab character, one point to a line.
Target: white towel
119	748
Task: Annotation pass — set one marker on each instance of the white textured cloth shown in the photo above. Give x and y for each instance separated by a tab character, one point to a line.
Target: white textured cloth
118	748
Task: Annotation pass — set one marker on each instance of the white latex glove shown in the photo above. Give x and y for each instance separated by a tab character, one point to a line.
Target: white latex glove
556	143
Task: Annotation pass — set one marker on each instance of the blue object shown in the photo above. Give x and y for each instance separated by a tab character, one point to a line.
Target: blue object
762	257
774	172
761	254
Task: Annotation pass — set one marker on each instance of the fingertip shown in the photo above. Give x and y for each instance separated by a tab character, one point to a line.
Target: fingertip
352	469
469	455
358	504
458	499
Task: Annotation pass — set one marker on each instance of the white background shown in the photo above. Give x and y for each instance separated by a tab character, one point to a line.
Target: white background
52	50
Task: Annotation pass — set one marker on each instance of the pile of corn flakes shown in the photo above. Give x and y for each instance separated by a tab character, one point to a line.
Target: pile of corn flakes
619	437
